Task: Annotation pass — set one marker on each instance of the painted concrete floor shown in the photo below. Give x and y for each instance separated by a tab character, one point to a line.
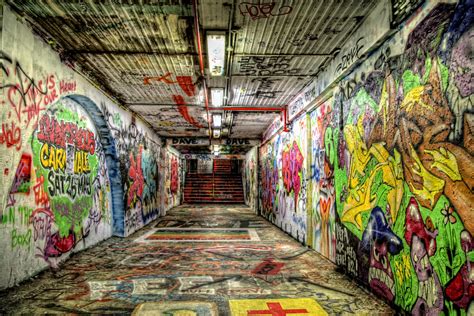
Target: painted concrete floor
197	260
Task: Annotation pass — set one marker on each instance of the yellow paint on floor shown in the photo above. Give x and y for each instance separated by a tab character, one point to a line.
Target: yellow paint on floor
276	307
181	308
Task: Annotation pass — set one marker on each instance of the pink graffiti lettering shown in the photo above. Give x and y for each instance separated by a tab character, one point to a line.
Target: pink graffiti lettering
292	163
59	133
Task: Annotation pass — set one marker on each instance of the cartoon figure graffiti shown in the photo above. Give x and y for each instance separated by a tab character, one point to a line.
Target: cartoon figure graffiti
380	240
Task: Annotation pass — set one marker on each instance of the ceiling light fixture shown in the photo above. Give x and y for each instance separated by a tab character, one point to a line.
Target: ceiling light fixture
217	97
216	134
216	52
217	120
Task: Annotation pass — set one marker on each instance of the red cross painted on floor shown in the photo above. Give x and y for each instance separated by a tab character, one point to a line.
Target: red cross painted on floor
275	309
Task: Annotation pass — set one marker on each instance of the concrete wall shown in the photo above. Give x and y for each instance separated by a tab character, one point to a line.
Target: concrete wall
391	164
76	168
250	178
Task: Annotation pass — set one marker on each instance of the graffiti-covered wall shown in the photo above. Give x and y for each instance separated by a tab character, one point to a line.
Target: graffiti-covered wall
76	168
283	175
250	178
59	200
404	168
138	155
171	182
392	168
323	204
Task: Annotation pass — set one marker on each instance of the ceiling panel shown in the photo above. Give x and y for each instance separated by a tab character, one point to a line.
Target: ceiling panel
175	120
265	91
250	125
145	52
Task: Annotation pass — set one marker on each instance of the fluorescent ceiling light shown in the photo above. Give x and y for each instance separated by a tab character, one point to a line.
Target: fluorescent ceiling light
217	120
216	53
217	96
216	134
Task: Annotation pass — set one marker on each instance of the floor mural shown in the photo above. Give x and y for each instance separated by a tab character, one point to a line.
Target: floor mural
199	235
280	306
224	277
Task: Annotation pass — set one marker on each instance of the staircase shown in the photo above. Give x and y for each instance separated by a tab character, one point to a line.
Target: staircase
222	166
217	188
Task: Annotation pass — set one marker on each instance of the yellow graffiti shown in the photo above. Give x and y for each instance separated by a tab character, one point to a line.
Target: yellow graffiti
403	269
52	157
392	175
414	97
431	186
360	198
81	162
446	162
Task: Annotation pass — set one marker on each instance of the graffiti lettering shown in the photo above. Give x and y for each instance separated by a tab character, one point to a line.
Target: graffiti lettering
59	133
345	253
66	87
351	56
21	240
11	135
41	197
263	10
267	66
185	141
72	185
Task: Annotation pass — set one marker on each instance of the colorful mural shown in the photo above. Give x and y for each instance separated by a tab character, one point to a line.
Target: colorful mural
138	155
60	197
391	195
284	184
323	207
172	173
403	166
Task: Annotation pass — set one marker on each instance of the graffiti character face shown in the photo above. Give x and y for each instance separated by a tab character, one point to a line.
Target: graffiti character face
380	272
379	238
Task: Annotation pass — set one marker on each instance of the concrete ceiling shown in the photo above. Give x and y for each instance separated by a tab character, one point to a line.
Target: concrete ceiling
145	53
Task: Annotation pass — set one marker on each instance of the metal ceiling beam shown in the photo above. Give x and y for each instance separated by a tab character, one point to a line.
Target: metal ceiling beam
124	52
283	55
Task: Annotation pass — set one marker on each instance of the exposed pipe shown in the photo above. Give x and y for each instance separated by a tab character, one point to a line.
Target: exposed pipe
201	64
247	109
230	60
